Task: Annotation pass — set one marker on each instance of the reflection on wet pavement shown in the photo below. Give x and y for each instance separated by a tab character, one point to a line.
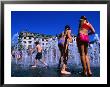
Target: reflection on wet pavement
39	71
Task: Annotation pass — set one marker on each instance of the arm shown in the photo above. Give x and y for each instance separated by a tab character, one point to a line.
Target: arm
92	30
69	33
69	36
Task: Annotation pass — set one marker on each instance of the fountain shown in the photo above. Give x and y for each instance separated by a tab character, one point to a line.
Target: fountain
51	54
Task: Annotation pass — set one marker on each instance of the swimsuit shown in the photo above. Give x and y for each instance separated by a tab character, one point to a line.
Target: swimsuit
61	41
84	37
85	26
39	55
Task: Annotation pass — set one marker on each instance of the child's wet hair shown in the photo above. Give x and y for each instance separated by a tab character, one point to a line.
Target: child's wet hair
37	42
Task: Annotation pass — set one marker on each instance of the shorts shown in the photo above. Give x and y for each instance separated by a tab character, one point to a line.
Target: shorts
38	56
83	38
79	42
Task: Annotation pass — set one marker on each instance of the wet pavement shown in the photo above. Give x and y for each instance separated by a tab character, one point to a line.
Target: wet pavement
50	71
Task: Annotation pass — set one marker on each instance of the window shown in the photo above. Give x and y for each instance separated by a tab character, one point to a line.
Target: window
29	46
42	39
30	42
24	37
29	37
42	43
24	41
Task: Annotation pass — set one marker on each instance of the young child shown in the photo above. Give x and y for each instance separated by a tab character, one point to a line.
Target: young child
39	54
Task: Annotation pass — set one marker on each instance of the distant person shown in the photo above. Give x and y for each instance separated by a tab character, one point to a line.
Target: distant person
39	54
68	39
85	29
13	53
19	54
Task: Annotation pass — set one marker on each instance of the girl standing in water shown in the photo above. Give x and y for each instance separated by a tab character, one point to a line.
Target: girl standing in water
82	43
61	40
65	39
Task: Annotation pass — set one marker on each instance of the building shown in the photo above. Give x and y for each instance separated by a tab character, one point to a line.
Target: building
28	42
28	39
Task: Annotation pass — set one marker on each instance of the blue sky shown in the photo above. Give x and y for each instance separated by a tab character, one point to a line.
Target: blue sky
51	22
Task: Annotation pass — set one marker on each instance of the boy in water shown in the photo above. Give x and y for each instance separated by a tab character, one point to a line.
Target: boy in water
39	54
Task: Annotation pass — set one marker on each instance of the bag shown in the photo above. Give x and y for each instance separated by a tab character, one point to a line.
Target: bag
83	37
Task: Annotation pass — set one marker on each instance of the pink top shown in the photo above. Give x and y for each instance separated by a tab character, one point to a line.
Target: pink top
86	26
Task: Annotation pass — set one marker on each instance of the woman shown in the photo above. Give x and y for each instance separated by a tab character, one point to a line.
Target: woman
68	38
82	43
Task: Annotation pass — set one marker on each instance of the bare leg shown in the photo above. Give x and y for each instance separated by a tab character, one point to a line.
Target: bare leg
83	59
63	71
60	62
65	54
88	65
88	61
35	63
61	55
42	61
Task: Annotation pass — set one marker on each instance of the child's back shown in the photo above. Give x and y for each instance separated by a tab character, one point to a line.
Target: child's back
39	48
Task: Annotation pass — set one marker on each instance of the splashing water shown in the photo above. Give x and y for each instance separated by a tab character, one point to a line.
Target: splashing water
51	54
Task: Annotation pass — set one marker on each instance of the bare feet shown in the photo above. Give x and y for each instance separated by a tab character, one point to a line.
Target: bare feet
89	74
33	66
45	64
84	74
65	72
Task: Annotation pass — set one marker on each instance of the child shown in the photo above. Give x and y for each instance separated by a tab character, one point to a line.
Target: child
39	54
